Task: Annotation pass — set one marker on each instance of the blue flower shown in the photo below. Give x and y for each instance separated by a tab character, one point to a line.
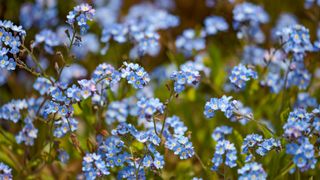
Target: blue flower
223	104
93	165
148	42
64	125
11	37
63	156
147	108
274	81
309	3
252	170
117	111
57	94
283	21
181	146
316	124
158	161
260	145
247	19
5	172
11	110
253	55
105	74
81	13
220	132
135	75
74	93
188	75
177	141
296	39
118	32
304	100
28	133
49	38
304	154
227	148
214	24
42	85
240	74
298	124
40	14
299	77
189	41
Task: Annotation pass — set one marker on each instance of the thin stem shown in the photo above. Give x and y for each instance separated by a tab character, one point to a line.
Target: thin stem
200	161
21	65
252	119
167	110
69	49
6	137
285	86
155	126
34	59
285	170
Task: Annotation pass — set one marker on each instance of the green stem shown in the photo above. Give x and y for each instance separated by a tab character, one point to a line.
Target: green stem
286	170
167	110
258	122
200	161
69	49
34	59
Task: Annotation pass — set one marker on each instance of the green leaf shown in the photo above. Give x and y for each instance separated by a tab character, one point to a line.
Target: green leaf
284	115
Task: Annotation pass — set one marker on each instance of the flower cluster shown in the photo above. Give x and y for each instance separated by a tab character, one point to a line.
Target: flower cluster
227	148
177	141
304	154
188	75
148	107
304	100
140	26
261	146
28	133
223	104
220	132
298	124
296	39
241	74
252	170
11	38
223	147
285	20
253	55
48	38
68	102
310	3
15	111
42	13
5	172
135	75
247	19
81	14
112	153
190	41
214	24
118	111
106	75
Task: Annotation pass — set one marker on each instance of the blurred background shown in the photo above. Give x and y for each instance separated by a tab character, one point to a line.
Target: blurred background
224	51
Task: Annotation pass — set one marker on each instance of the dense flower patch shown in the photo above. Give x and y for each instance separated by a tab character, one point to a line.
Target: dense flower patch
135	91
